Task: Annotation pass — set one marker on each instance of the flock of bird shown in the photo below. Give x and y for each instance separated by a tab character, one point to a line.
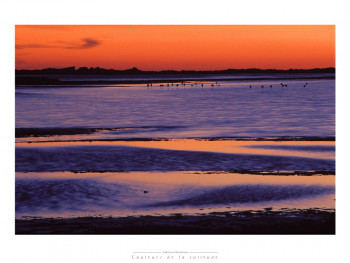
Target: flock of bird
282	85
216	84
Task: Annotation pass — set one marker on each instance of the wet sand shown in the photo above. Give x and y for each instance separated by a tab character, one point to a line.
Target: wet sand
237	159
298	221
174	203
273	170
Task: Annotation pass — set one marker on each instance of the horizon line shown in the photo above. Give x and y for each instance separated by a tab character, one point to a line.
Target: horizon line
178	70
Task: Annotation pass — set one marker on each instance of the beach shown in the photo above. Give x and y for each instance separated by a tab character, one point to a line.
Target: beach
310	221
228	157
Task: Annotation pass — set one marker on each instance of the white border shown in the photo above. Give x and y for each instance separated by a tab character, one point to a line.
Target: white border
118	248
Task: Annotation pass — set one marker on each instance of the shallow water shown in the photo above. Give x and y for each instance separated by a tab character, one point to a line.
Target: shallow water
174	155
231	109
151	176
136	193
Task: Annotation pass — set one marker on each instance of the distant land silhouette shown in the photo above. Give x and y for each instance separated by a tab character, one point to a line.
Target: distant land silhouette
49	76
134	70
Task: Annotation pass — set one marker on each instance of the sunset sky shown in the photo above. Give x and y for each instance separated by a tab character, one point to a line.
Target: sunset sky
175	47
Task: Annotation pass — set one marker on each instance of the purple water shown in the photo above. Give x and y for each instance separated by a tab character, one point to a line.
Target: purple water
68	194
50	182
231	109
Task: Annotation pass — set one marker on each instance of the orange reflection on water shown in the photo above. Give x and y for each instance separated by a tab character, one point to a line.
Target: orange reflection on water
225	146
186	178
172	186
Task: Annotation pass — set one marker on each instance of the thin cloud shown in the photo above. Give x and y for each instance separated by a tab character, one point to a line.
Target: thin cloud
34	46
20	62
87	43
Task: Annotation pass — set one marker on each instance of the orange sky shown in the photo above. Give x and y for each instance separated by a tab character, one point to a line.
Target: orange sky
204	47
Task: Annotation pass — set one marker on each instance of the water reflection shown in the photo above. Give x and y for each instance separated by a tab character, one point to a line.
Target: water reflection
304	149
233	109
71	194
